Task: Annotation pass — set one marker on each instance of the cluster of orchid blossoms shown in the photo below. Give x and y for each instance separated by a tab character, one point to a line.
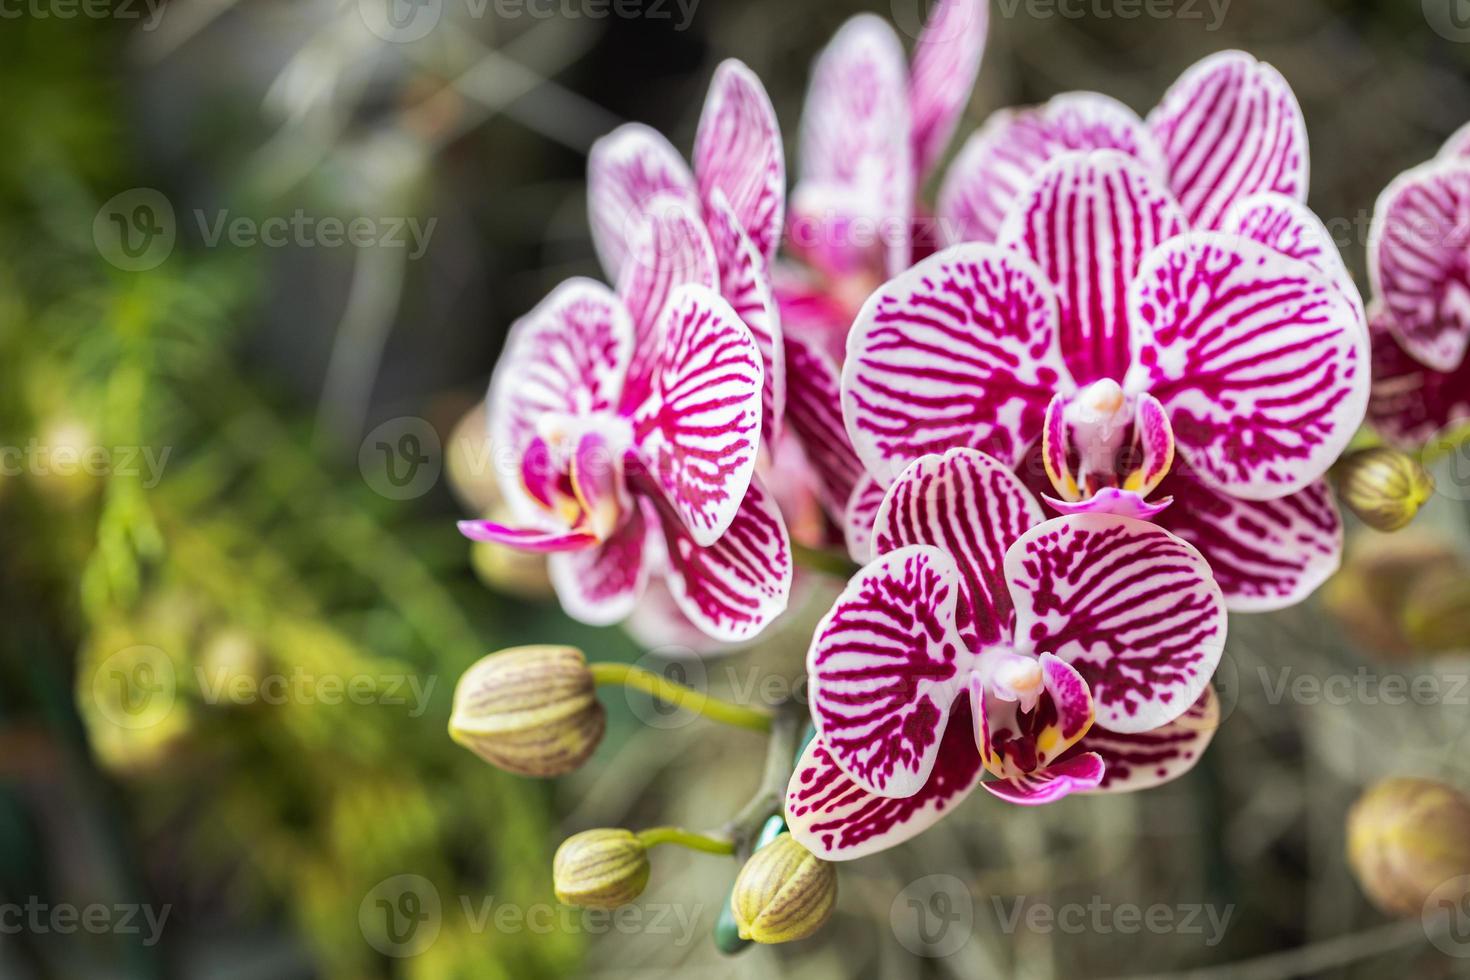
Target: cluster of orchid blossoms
1052	428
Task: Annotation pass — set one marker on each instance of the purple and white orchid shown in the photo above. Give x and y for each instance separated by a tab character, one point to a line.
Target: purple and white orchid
1146	288
632	421
1419	265
1058	656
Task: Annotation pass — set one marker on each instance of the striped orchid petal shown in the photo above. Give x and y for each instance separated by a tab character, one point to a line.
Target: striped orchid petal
600	586
1419	261
1267	554
527	539
670	248
1230	127
973	508
698	431
1132	607
733	588
855	125
737	154
1259	359
566	359
745	282
814	409
946	61
961	350
1410	402
998	160
1291	228
1089	221
884	668
626	170
838	820
1144	760
810	311
1079	774
859	516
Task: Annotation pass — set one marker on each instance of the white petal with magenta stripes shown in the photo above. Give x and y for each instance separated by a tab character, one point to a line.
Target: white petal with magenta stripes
859	516
1259	358
1144	760
1410	402
733	588
670	248
814	411
698	431
1132	607
527	539
998	161
1089	221
973	508
626	170
1230	127
961	350
855	124
838	820
1292	228
1079	774
945	63
1419	261
737	152
745	282
601	586
1266	554
885	666
566	359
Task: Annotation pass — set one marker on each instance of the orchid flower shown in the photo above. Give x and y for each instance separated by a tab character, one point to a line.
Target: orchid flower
1054	656
1419	266
1117	318
632	421
873	130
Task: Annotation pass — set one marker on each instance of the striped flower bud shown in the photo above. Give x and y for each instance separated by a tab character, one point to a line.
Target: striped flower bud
529	710
783	893
600	869
1407	838
1383	487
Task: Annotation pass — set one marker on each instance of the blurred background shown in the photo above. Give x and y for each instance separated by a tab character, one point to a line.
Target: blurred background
257	260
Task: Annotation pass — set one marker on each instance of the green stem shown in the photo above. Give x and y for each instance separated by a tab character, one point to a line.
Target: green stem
680	696
826	562
654	836
780	752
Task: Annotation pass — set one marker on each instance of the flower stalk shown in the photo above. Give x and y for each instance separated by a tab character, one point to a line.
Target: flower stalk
682	696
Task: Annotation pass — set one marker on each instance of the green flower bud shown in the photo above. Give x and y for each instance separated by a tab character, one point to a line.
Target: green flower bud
1436	614
783	893
529	710
1383	487
1406	838
600	869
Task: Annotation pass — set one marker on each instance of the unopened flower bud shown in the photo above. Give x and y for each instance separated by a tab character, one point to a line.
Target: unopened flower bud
600	869
1384	487
1406	838
529	710
783	893
470	465
1436	614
